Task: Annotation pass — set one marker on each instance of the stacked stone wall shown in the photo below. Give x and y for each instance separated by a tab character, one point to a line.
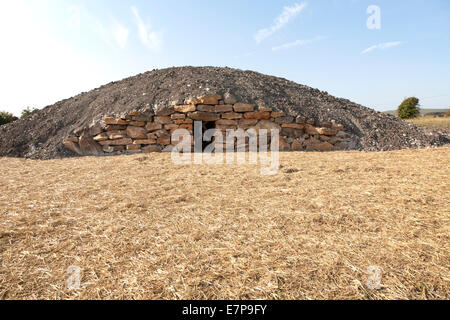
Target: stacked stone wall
148	131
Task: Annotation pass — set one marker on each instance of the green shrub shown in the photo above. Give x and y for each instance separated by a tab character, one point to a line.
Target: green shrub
27	112
409	108
6	117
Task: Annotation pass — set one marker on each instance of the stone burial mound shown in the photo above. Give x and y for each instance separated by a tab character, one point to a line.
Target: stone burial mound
140	113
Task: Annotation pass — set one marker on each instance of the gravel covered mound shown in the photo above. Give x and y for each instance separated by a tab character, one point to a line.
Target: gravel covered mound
41	135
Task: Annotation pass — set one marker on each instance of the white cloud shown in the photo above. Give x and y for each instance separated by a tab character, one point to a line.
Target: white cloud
297	43
151	39
382	46
120	34
74	20
287	15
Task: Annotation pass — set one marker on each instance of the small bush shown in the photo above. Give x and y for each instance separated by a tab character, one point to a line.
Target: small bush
27	112
6	117
409	108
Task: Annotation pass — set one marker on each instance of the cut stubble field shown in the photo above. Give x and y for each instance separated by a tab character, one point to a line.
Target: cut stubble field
141	227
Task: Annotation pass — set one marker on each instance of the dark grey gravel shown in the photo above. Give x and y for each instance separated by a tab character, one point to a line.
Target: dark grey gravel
40	136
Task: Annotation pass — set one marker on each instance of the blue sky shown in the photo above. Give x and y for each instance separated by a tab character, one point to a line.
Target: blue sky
54	49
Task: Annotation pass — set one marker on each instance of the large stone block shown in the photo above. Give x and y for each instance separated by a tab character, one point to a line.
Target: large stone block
257	115
113	135
311	130
171	126
215	108
114	121
136	132
165	111
115	127
327	131
133	147
152	126
160	133
225	127
212	99
101	137
293	125
243	107
178	116
89	146
185	121
188	127
185	108
73	146
232	116
145	141
204	116
163	119
268	125
152	136
227	122
278	114
137	123
118	142
164	140
247	123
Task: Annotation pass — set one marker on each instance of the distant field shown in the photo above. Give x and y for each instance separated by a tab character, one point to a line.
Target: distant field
422	111
431	121
141	227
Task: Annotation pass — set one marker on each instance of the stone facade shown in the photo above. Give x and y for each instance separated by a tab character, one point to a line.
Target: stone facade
149	131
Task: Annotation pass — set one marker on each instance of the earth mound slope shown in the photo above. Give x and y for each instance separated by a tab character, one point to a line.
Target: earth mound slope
41	135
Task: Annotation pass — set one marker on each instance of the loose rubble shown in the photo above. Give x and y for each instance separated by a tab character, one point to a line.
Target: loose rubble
138	114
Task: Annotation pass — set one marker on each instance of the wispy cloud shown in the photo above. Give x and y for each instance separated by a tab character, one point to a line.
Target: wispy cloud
297	43
382	46
151	39
120	34
287	15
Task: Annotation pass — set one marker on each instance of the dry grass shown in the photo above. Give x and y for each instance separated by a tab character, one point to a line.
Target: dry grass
431	121
140	227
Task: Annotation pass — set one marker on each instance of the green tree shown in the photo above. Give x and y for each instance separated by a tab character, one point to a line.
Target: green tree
27	112
409	108
6	117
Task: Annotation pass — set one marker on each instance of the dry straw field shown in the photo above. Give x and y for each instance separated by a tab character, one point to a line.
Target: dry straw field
141	227
431	121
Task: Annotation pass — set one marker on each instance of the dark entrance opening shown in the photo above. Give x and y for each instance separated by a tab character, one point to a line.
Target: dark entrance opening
206	125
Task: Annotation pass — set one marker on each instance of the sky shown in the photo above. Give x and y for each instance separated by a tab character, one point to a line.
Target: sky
375	53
